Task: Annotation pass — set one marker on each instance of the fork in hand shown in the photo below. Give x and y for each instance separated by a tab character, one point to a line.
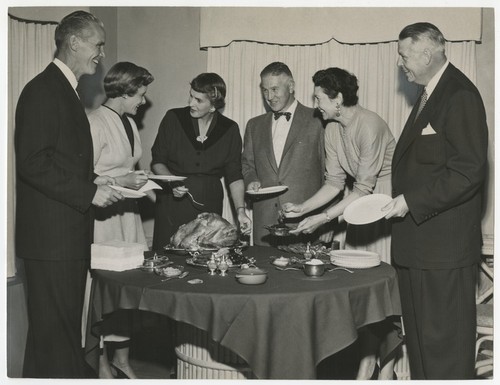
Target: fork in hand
194	200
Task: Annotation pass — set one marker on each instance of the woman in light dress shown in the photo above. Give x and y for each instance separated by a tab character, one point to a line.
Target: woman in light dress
359	147
117	149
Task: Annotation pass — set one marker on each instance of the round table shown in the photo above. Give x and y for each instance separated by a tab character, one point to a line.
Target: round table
281	329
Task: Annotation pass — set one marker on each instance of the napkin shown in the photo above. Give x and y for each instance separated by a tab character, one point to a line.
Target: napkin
428	130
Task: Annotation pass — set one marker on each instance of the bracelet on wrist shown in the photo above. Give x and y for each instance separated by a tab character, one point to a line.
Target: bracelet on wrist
328	218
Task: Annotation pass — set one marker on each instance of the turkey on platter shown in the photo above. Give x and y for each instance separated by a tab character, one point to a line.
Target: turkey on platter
207	230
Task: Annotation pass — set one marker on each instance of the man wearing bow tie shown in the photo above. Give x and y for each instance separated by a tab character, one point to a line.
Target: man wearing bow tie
438	170
282	147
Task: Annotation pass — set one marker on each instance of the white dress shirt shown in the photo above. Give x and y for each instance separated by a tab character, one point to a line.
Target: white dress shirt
280	129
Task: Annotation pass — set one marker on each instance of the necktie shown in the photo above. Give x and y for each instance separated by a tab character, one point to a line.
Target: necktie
287	115
423	101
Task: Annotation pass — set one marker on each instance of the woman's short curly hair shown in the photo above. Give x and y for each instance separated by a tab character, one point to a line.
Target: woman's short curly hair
125	78
334	80
213	86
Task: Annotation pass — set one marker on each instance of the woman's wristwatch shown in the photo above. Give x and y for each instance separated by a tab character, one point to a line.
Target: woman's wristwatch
328	218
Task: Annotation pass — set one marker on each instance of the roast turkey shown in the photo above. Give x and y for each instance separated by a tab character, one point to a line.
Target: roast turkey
207	230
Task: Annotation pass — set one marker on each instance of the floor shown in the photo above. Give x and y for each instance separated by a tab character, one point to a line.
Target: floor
152	370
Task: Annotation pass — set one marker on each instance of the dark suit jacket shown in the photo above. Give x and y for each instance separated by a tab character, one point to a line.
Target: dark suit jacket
54	165
301	168
441	176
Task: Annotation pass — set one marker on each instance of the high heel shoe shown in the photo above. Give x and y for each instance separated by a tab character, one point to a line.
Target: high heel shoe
119	373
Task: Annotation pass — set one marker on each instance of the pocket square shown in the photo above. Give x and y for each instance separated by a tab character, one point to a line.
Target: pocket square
428	130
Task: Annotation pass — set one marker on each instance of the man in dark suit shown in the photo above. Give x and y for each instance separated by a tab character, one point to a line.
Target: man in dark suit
438	170
282	147
56	188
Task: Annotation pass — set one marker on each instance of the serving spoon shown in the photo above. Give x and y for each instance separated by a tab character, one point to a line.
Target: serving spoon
286	268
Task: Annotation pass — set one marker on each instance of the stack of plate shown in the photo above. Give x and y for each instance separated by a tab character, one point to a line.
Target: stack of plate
354	259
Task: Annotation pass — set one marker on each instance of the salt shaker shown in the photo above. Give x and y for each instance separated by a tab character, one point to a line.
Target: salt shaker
223	266
212	264
308	254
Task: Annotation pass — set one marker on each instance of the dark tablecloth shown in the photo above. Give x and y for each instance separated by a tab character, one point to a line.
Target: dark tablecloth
282	328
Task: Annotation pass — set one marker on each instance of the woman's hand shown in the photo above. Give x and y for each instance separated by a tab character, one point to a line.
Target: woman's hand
292	210
245	222
310	224
133	180
179	191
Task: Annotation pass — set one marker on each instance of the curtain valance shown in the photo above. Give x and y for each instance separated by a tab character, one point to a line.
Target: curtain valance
298	26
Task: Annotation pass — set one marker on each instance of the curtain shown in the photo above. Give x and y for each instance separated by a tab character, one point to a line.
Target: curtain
382	86
219	26
31	49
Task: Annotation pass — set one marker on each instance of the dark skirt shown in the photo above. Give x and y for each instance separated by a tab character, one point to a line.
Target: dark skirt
171	212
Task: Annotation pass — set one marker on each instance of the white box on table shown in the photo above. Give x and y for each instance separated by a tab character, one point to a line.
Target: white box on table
117	255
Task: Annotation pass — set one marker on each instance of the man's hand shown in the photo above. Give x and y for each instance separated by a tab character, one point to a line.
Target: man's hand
254	186
106	196
396	208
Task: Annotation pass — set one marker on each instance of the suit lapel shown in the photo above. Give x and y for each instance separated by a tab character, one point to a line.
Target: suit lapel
295	128
75	104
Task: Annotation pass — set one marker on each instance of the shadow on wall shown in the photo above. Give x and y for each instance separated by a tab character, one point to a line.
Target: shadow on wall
91	89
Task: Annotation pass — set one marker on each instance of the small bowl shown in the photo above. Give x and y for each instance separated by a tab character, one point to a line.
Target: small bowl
314	269
169	271
281	261
251	276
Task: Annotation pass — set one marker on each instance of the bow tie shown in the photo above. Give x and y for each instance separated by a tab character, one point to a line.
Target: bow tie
287	115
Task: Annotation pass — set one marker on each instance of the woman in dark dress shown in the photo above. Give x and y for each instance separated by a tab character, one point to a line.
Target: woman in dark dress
197	142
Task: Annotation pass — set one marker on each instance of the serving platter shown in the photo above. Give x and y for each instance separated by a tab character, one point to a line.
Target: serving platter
204	250
234	259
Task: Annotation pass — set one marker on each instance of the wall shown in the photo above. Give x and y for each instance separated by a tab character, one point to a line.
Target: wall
486	85
165	40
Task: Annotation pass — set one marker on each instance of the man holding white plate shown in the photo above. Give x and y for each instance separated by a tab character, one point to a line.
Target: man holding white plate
283	155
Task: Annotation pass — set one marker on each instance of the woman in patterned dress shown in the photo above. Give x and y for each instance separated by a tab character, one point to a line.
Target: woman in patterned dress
359	147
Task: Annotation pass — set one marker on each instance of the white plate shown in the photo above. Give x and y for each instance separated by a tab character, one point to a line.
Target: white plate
356	259
353	254
168	178
356	265
267	190
366	209
127	192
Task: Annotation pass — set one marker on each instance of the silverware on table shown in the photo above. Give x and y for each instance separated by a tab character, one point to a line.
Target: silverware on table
341	268
180	276
286	268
